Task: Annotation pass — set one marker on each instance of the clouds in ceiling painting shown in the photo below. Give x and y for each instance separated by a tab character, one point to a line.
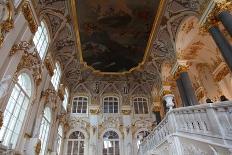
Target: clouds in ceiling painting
114	33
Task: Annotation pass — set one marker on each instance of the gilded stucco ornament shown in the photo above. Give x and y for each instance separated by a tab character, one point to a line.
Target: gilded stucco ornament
49	65
32	62
221	74
180	69
7	24
49	95
61	92
126	112
21	46
38	147
212	19
94	111
28	14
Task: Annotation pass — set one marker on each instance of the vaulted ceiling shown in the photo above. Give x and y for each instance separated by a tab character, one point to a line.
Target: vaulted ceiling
113	36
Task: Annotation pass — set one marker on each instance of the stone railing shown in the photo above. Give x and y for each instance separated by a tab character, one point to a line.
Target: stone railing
209	124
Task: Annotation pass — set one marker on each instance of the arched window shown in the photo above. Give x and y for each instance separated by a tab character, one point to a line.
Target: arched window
76	143
111	143
16	110
140	136
41	40
59	139
140	105
111	104
65	102
80	105
44	129
56	77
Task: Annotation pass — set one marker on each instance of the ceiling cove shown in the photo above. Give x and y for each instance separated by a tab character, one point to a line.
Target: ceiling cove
114	36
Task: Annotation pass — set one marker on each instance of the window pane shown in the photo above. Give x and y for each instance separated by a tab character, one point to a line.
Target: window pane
41	40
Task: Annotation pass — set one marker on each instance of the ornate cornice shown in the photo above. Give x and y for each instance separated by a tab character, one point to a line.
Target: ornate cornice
28	14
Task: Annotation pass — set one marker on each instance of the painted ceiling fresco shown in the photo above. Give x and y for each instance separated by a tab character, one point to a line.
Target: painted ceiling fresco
114	33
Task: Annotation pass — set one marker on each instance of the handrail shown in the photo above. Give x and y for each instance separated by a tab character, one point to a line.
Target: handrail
205	120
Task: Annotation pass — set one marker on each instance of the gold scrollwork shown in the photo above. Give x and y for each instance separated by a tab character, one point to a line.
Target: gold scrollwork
180	69
49	66
166	92
33	63
94	111
221	74
8	24
212	19
126	112
28	14
23	45
38	147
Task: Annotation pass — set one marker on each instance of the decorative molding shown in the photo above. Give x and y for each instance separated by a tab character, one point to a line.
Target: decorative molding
61	92
28	14
126	112
32	62
22	45
49	66
38	147
94	111
180	69
212	19
8	24
221	74
200	93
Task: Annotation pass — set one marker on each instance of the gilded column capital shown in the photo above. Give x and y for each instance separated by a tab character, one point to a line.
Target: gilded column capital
223	6
212	19
180	69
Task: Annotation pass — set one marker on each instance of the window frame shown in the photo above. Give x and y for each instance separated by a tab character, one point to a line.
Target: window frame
113	106
46	37
144	100
47	129
77	101
16	85
79	140
111	141
56	78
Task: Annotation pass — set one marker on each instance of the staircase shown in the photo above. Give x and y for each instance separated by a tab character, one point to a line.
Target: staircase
204	129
